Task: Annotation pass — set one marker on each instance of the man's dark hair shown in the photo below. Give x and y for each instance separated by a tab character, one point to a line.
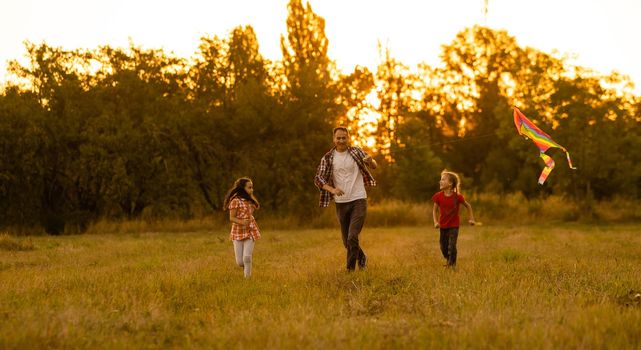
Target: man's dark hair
340	128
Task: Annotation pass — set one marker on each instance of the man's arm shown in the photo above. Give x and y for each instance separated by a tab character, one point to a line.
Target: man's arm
369	160
322	183
333	190
319	179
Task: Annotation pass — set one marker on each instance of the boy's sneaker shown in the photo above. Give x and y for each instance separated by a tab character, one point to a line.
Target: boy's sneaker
362	261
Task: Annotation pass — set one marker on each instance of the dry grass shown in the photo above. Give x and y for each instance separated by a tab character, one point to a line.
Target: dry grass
515	287
488	208
511	209
8	242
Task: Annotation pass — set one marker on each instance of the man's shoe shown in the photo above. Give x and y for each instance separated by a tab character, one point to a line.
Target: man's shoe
362	262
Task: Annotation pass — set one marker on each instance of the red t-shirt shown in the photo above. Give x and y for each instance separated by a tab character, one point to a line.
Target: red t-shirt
448	212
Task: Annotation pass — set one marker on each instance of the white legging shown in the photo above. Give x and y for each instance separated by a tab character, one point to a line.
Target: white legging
243	250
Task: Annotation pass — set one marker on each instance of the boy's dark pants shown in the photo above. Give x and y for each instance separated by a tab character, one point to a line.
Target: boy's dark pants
448	244
351	216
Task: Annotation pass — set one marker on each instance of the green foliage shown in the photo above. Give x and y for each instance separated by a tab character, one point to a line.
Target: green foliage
136	134
416	169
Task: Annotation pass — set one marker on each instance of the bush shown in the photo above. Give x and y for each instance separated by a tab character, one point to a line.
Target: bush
489	208
397	213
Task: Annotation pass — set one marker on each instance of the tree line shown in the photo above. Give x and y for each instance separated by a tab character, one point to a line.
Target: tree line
110	132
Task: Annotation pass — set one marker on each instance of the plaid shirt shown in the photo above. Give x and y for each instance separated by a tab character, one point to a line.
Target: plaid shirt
244	210
324	173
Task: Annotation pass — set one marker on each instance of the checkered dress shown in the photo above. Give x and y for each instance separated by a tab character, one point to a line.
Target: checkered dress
244	210
325	175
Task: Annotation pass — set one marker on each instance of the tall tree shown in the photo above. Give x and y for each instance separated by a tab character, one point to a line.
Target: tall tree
310	98
598	127
476	64
235	128
58	87
393	88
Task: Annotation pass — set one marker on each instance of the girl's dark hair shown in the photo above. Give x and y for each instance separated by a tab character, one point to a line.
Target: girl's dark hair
454	179
238	190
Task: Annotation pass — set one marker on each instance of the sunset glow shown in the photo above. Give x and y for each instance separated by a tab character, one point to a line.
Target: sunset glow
600	38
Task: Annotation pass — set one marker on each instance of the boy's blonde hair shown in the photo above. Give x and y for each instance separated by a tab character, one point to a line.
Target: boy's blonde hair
454	179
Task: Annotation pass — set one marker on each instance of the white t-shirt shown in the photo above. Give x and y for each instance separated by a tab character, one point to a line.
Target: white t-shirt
347	177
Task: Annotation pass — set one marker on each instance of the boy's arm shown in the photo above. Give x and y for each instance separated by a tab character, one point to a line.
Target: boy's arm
435	215
470	213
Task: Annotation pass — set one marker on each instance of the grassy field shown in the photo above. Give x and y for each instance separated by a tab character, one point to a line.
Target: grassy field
528	287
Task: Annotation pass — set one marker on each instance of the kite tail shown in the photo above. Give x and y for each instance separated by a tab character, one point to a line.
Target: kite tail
567	154
549	165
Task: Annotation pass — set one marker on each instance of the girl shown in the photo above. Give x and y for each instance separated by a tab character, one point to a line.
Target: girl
241	203
446	202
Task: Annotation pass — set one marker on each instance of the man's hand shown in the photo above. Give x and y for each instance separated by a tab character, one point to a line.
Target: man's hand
370	161
333	190
437	225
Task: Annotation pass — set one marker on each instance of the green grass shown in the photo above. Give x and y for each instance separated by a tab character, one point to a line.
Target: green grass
523	287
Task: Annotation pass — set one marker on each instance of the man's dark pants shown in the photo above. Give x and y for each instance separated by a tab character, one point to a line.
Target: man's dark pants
448	244
351	216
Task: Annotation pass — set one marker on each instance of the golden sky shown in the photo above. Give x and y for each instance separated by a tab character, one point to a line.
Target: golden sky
600	33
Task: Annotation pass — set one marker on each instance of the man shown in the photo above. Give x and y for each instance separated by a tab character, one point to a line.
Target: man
342	175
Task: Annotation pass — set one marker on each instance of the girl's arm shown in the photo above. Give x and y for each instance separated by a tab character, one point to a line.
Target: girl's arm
234	219
470	214
435	210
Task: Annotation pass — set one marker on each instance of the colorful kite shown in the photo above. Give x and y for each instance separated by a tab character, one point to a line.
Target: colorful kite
542	140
